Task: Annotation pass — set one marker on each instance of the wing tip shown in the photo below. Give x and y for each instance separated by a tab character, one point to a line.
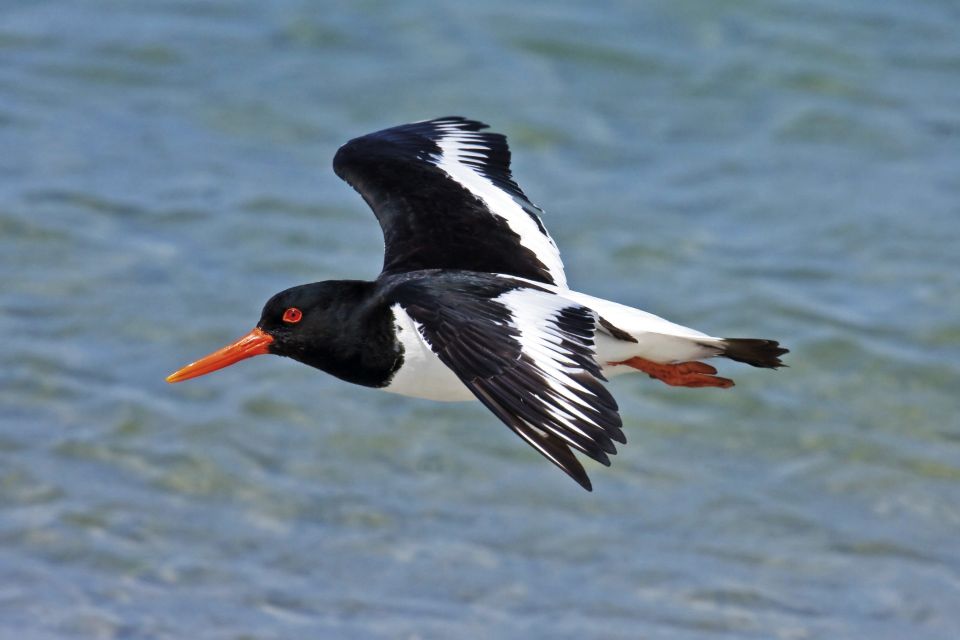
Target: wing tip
586	484
415	138
463	123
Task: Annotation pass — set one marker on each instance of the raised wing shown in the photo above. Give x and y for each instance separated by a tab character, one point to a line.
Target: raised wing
525	353
445	198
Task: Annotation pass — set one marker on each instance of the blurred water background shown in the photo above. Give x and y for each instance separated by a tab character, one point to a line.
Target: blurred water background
772	169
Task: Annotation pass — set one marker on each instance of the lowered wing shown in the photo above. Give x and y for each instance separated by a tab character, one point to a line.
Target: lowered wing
525	353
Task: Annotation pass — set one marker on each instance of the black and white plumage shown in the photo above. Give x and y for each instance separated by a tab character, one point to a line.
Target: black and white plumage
472	302
525	353
445	198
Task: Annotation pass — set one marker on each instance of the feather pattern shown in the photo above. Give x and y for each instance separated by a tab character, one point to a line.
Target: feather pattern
445	198
527	354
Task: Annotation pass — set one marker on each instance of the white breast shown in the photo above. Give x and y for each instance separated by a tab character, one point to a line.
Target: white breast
422	375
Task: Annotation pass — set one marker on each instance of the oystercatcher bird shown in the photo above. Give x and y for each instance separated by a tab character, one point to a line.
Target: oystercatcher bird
472	303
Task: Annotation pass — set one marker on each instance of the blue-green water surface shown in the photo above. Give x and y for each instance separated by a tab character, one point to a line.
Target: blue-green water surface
774	169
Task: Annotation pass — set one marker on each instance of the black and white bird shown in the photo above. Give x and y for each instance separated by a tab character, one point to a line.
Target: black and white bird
472	303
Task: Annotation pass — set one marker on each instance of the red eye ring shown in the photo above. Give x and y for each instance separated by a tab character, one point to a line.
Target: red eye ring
292	315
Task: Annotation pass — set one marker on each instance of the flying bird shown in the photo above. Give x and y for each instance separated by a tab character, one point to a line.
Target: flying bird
472	303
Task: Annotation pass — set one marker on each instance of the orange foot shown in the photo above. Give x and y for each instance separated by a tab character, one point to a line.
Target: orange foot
681	374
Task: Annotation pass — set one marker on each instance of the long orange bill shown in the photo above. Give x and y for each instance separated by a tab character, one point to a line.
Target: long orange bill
255	343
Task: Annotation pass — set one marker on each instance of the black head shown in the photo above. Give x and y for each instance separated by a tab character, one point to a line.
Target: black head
305	319
316	324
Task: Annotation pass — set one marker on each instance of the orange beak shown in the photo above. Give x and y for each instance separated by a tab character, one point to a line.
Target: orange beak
255	343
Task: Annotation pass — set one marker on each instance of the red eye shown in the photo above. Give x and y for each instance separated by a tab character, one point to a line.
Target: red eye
292	315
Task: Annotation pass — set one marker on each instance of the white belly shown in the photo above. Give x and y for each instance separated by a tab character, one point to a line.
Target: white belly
422	374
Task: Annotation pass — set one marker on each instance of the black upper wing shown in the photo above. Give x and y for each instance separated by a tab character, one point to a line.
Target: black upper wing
445	198
527	354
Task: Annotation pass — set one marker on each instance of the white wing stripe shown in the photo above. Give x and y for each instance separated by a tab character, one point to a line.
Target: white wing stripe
571	413
542	342
567	393
456	146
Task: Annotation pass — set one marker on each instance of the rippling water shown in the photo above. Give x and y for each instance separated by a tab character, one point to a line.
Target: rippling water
775	169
